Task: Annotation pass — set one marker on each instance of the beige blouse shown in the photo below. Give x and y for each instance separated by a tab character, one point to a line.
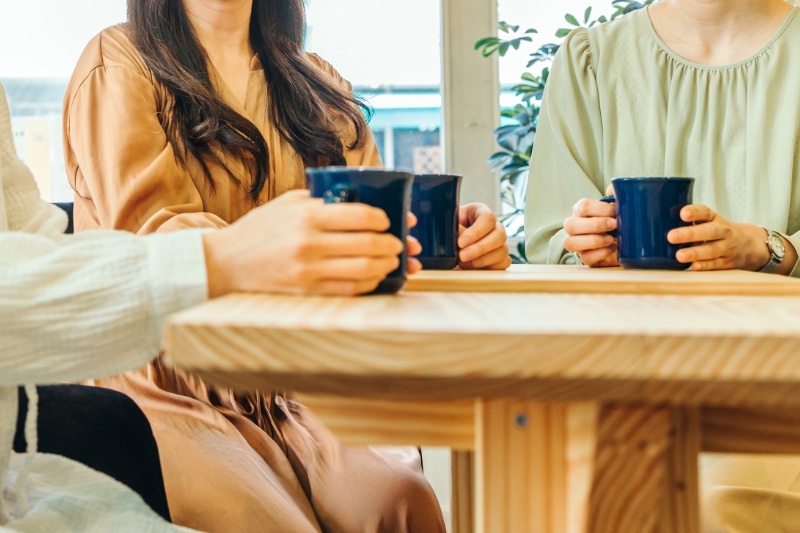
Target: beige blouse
231	462
131	179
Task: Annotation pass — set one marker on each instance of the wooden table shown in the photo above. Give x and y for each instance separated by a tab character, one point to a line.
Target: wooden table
586	409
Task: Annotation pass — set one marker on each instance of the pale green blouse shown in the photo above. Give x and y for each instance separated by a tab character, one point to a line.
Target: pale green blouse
620	103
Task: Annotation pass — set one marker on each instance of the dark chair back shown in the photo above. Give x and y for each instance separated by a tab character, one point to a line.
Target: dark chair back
67	207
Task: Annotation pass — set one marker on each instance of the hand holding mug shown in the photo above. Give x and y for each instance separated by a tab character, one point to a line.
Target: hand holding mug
717	243
332	250
482	239
453	235
389	191
588	232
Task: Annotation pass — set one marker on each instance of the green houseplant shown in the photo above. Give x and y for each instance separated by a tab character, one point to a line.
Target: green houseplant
516	135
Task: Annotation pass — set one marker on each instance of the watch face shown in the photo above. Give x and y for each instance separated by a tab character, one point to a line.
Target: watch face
776	245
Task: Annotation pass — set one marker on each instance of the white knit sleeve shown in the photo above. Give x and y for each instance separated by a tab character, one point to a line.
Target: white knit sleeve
91	305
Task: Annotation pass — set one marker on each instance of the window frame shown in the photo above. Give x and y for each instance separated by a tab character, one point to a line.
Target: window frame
470	98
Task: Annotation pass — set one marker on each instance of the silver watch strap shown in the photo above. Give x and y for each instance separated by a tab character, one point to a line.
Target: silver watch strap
774	261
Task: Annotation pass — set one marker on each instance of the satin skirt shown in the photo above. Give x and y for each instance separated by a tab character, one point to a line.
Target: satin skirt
263	462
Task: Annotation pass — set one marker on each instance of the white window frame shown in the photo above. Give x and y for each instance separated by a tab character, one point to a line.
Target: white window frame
470	98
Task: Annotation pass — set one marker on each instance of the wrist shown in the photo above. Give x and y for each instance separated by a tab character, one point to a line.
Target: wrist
758	253
776	250
764	255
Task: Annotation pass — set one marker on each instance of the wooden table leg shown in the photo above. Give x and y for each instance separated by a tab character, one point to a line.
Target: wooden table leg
462	493
520	471
583	467
645	472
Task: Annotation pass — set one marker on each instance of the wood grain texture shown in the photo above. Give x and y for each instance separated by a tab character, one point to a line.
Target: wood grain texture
658	377
513	456
462	499
645	471
581	279
721	350
534	464
738	430
359	421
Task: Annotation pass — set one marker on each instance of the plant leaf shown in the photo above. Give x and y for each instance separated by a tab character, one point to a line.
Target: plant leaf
485	41
490	49
497	157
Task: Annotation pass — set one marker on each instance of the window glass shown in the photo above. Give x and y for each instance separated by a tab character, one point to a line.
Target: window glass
400	77
40	42
546	17
391	52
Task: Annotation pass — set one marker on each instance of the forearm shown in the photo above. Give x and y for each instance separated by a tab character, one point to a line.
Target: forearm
91	305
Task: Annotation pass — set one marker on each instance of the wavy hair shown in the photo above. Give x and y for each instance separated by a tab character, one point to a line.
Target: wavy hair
302	98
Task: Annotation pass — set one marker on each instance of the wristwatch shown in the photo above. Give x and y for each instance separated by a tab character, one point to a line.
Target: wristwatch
776	251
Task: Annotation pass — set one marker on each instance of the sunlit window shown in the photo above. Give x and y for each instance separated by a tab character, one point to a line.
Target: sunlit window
40	42
546	17
391	52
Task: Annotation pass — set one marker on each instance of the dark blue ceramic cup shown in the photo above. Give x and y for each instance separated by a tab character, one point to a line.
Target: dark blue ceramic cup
648	209
384	189
434	201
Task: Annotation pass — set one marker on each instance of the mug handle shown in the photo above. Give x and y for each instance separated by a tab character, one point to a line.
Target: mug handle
610	200
341	193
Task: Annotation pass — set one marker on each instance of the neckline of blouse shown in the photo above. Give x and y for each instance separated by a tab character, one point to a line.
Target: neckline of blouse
787	21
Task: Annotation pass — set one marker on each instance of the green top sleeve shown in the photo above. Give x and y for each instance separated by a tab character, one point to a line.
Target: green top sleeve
567	157
619	102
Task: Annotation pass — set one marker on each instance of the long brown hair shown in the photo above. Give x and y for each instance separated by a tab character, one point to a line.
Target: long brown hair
302	98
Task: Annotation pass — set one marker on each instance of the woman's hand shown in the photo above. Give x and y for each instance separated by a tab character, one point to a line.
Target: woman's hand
719	244
588	236
413	248
298	245
482	239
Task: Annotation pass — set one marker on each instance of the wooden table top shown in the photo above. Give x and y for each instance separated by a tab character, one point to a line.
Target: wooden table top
530	342
571	279
558	346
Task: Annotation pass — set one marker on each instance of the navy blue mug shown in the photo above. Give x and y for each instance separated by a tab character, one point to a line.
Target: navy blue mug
434	201
648	209
384	189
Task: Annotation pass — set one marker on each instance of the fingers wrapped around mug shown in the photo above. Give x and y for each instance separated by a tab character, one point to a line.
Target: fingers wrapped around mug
482	239
588	233
338	249
389	191
715	243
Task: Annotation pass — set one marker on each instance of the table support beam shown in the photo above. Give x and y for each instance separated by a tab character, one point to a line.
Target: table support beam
588	468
